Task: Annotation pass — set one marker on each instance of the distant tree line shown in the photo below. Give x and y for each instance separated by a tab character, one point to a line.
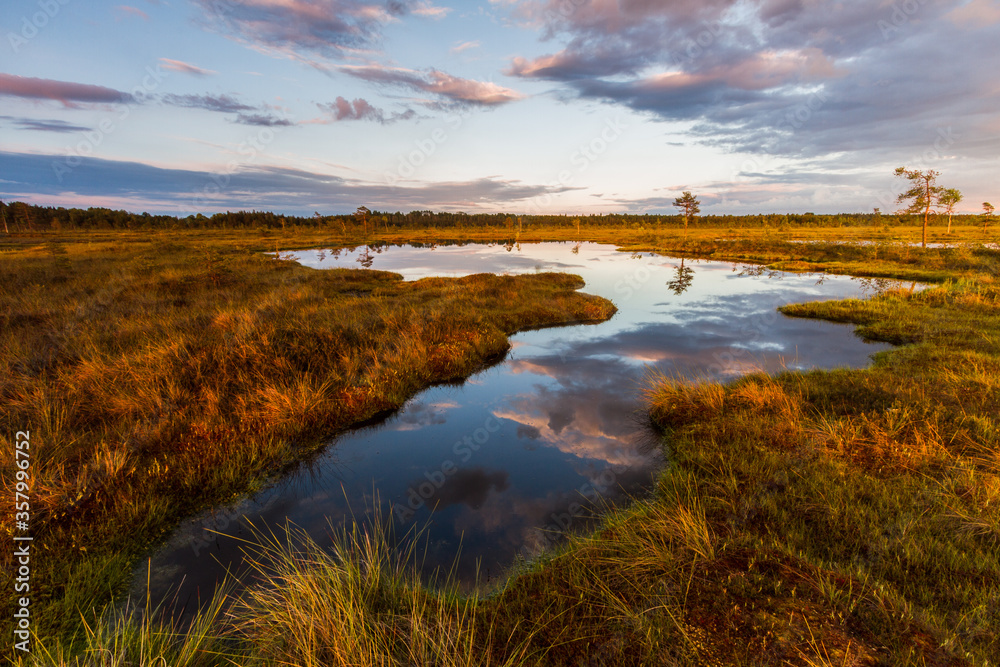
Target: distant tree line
20	217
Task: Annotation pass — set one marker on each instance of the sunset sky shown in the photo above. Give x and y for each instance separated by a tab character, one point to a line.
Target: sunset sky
526	106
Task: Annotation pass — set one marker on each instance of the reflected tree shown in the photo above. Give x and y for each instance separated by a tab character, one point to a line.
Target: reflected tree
758	270
683	277
366	258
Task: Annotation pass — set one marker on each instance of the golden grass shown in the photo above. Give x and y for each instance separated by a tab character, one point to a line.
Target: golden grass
805	518
159	381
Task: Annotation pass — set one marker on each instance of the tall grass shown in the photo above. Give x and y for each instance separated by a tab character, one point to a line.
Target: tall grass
875	490
361	604
144	637
160	377
842	517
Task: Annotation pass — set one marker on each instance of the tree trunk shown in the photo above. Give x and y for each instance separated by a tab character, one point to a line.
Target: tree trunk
927	210
927	214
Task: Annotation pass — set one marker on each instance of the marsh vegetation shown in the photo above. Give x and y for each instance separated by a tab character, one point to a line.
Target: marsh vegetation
825	517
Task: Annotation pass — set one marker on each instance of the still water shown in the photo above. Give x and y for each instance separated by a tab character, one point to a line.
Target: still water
497	467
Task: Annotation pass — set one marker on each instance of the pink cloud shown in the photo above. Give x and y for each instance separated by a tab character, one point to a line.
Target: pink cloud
436	82
125	10
185	68
359	109
428	10
66	92
979	13
464	46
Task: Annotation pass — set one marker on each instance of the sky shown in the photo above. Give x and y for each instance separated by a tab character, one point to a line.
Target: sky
521	106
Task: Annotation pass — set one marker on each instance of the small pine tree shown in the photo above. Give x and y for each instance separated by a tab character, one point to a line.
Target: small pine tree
689	206
924	192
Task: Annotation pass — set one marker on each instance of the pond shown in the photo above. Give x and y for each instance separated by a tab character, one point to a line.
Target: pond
499	466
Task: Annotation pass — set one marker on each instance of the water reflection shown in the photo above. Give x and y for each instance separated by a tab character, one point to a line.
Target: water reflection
499	466
682	279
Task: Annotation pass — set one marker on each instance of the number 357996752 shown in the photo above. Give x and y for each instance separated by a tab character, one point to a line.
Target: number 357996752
23	458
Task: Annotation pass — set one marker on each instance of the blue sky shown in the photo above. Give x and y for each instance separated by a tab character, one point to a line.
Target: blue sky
528	106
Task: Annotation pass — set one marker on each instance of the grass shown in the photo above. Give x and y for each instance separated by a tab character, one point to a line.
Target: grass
843	517
158	378
881	485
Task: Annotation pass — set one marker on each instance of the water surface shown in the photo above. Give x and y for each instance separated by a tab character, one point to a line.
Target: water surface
499	466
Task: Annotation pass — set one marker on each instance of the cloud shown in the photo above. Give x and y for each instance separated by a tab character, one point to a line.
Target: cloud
467	486
185	68
263	119
360	109
330	28
70	94
125	10
223	103
45	125
66	92
40	178
245	113
427	10
455	89
319	31
464	46
977	13
782	77
335	29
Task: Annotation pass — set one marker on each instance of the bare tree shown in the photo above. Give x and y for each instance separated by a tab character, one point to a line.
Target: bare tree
948	200
689	206
924	192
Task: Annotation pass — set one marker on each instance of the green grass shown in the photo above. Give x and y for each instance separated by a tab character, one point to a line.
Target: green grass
849	517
